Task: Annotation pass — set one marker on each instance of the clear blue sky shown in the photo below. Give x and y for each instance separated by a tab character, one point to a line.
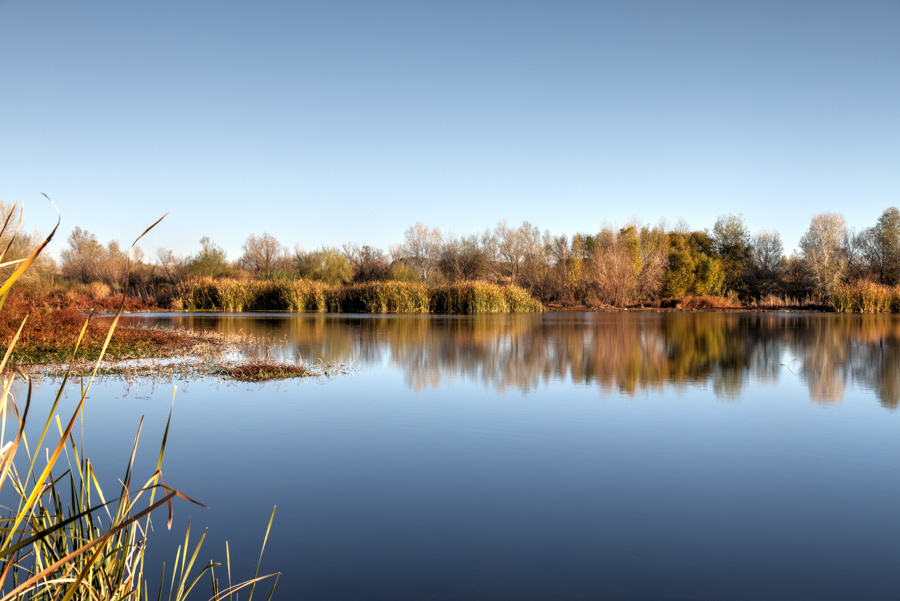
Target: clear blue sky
330	122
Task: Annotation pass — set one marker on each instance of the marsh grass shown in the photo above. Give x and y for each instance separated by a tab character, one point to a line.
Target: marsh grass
865	297
305	296
54	540
482	297
385	297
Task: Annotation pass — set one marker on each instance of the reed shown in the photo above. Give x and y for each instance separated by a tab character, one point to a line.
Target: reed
385	297
305	296
842	300
53	543
864	297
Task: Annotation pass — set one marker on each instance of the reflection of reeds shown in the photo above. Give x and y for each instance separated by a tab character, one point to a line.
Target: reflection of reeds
301	296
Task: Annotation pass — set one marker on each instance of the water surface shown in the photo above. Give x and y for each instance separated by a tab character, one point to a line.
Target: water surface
564	455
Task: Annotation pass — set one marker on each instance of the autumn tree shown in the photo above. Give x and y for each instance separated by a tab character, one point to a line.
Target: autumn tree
421	249
516	247
617	265
82	256
263	255
823	253
210	261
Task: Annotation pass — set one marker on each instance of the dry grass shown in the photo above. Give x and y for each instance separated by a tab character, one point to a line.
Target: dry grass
207	294
865	297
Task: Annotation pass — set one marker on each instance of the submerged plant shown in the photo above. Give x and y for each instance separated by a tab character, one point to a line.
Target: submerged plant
54	543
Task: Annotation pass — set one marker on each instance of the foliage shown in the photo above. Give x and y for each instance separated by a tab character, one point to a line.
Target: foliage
732	245
401	271
327	264
692	271
626	266
210	261
886	237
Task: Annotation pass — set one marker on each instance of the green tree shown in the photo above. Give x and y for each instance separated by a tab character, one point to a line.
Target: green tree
210	261
732	243
694	269
327	264
886	235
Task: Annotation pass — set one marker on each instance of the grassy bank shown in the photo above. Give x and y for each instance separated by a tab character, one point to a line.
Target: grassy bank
301	296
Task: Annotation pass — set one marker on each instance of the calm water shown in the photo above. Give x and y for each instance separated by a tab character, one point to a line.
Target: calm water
564	456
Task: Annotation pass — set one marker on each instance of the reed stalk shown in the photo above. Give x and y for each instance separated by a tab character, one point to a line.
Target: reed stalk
53	542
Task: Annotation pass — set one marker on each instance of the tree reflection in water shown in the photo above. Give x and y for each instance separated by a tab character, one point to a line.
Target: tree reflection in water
626	353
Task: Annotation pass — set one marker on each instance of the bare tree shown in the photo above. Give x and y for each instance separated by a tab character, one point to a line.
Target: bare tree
516	246
368	263
462	258
765	266
82	256
823	253
421	247
262	254
617	265
170	265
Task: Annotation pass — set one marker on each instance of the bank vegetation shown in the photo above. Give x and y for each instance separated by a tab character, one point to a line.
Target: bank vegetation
615	266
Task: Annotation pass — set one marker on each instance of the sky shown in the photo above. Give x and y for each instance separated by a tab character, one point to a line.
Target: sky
323	123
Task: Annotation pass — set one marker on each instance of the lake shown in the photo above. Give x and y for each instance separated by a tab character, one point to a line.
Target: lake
559	455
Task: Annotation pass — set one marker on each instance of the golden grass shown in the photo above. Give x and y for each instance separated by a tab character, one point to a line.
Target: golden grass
304	296
53	544
865	297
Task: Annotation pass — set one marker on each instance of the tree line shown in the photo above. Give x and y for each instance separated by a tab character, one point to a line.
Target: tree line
618	266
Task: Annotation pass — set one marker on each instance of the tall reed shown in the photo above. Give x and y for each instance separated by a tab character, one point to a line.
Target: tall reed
53	545
304	296
385	297
864	297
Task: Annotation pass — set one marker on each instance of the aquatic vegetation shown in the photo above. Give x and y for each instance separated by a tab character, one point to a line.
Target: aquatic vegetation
62	537
305	296
865	297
